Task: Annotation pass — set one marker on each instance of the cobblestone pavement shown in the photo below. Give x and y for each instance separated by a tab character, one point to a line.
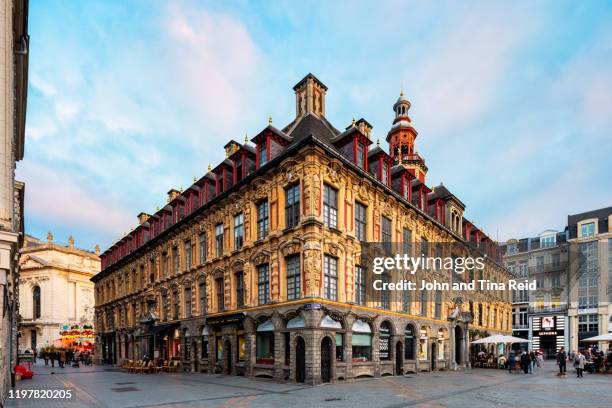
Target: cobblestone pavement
99	387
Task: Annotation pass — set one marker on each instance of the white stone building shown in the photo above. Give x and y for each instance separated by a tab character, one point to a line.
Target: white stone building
54	290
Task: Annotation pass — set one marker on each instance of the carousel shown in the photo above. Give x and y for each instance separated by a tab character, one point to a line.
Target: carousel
76	337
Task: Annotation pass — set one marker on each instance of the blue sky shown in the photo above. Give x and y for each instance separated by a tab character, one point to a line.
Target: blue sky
128	99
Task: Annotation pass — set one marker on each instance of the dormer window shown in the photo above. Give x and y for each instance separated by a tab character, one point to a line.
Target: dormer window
385	172
263	153
547	241
360	159
407	188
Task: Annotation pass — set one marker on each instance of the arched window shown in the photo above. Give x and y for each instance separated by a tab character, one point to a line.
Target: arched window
264	343
36	301
362	341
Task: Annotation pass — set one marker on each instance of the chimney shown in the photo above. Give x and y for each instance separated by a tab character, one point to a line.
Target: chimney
143	217
309	96
172	194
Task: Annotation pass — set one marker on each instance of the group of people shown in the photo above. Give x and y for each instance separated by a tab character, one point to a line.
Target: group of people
63	356
527	361
593	361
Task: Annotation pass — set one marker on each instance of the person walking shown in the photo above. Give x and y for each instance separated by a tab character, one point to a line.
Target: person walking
511	362
525	362
52	357
532	362
580	362
562	361
62	358
46	357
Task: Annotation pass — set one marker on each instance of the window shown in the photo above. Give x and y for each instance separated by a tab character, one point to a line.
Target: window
556	260
360	285
293	277
556	281
406	302
587	230
330	277
425	249
480	316
409	342
263	154
384	341
547	241
263	222
203	247
220	295
588	275
540	264
263	284
219	239
385	229
152	270
385	295
36	302
438	305
292	206
360	155
339	346
361	221
423	345
188	254
385	172
165	264
175	309
165	307
188	302
240	289
205	343
238	231
407	241
423	303
330	206
264	343
362	341
175	259
588	323
202	297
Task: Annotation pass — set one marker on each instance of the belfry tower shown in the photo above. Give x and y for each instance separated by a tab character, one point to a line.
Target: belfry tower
401	140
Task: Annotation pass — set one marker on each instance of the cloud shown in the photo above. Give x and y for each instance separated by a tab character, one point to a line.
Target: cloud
62	200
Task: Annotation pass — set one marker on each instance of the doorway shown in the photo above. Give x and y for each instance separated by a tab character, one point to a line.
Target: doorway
196	358
300	360
227	346
326	356
433	356
458	344
399	358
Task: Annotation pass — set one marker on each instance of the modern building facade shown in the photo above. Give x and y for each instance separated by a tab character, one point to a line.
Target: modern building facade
55	290
541	315
14	44
590	311
257	268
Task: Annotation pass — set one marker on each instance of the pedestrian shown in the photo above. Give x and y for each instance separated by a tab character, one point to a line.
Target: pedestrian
52	357
511	362
579	363
539	359
562	361
62	358
46	357
525	362
532	362
34	354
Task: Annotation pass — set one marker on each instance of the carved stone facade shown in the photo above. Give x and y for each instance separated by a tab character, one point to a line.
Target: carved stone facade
261	306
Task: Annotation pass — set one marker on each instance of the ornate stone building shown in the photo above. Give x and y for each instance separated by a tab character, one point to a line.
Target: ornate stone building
55	289
256	269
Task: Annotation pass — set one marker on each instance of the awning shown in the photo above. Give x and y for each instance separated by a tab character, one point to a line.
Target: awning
159	328
602	337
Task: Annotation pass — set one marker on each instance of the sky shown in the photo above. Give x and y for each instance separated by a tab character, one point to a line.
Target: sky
129	99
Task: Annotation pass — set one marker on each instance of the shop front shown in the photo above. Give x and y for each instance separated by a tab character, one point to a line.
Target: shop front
548	334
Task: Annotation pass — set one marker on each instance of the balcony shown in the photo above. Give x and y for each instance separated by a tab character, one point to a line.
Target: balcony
547	309
412	158
547	268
